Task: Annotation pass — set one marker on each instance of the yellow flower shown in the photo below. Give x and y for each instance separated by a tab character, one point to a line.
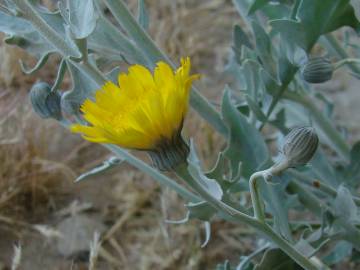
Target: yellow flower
143	112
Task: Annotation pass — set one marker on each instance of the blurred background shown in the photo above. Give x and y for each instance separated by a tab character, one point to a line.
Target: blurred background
53	219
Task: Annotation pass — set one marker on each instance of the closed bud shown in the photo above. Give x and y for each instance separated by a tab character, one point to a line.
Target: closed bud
45	102
317	70
300	146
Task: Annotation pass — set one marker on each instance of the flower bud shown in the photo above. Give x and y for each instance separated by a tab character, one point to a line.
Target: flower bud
45	102
317	70
300	145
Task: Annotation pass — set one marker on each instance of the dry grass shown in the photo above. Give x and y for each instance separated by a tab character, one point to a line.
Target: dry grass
39	160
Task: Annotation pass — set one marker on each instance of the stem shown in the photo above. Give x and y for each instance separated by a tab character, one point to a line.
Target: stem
338	143
255	196
146	44
236	216
339	50
254	190
346	61
161	178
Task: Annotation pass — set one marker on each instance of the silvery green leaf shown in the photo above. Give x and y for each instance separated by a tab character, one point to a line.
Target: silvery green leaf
276	201
304	248
344	206
60	75
81	17
195	170
272	87
240	38
40	63
255	108
264	48
285	63
220	168
341	250
251	74
19	32
207	227
143	16
82	87
356	6
106	165
201	210
246	145
112	44
316	17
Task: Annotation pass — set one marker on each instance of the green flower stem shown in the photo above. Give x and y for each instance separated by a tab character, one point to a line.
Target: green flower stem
338	142
346	61
161	178
318	185
255	195
234	215
331	42
254	189
124	17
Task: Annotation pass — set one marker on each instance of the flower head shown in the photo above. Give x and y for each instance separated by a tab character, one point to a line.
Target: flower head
143	111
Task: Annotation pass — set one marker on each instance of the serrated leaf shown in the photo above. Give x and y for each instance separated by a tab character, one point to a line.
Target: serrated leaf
316	17
105	166
246	144
40	63
194	168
